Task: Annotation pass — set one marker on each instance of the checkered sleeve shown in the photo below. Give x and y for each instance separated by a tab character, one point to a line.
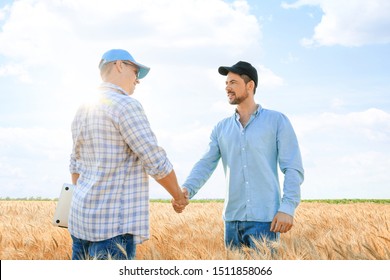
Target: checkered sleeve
76	129
135	129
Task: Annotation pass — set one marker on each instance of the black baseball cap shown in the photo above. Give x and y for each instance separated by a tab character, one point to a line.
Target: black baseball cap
240	68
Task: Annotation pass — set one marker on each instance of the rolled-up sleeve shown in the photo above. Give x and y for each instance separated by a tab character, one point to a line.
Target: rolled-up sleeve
137	133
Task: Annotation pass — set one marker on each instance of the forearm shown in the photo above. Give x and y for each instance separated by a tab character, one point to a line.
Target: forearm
75	177
170	183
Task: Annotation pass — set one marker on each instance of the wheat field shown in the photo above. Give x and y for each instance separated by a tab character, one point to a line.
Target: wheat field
321	231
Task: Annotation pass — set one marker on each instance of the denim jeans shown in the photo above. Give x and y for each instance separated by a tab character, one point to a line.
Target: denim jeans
121	247
242	233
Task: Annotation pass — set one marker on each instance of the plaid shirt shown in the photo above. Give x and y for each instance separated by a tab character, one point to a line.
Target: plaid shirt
114	151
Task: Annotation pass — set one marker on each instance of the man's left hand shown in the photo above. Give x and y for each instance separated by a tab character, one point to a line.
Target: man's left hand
282	222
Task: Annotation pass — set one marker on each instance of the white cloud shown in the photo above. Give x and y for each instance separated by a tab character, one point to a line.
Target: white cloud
3	12
8	170
372	124
16	70
345	155
300	3
349	23
34	161
32	33
44	31
268	79
37	142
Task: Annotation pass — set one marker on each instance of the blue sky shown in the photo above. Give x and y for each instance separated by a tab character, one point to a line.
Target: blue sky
324	63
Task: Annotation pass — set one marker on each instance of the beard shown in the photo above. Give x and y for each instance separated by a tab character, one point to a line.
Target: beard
235	100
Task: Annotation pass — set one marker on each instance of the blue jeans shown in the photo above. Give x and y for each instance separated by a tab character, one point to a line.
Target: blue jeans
242	233
121	247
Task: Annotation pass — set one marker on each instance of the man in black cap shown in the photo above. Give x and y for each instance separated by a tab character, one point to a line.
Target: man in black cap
252	143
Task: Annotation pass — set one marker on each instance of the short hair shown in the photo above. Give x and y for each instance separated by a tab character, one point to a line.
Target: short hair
105	70
247	79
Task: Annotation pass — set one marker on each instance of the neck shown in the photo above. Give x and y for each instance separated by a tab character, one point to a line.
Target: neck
246	108
117	80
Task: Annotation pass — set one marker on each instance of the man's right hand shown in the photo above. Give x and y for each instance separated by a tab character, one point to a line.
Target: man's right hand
179	204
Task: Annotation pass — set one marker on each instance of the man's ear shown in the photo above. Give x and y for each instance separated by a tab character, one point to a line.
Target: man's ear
119	66
251	86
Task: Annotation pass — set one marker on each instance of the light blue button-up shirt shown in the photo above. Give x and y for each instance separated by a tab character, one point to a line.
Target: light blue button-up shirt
250	157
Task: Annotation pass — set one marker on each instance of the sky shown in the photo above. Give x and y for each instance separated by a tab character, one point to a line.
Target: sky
325	64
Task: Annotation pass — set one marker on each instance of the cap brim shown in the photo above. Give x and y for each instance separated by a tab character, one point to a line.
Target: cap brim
224	70
143	70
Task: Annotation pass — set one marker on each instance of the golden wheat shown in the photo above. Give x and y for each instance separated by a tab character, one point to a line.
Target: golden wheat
321	232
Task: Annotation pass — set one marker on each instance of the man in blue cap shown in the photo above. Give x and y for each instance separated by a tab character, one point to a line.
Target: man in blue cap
114	151
252	143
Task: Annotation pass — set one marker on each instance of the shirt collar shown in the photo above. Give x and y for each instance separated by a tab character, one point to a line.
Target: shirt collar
255	113
105	86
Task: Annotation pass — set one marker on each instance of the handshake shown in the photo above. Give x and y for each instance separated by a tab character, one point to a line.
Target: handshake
181	201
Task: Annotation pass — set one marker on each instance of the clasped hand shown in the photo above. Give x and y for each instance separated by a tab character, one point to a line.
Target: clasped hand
180	203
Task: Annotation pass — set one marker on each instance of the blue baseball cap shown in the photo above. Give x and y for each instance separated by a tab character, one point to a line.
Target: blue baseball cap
117	54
